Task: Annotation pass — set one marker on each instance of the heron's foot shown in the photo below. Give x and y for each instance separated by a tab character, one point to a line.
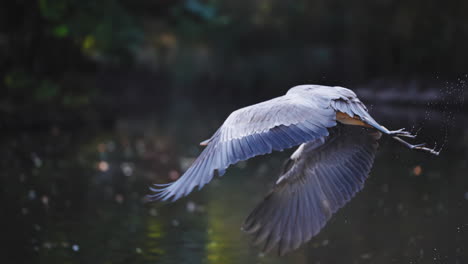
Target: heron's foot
417	146
421	146
430	150
402	133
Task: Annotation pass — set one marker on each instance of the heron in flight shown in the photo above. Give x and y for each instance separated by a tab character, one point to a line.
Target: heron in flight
337	141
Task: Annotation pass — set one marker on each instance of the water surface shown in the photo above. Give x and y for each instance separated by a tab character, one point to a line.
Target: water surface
76	195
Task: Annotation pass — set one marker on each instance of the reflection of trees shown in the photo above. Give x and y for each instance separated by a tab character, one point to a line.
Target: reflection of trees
221	234
398	215
228	203
47	179
154	241
64	207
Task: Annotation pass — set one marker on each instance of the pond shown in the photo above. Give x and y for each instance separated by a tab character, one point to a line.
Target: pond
76	195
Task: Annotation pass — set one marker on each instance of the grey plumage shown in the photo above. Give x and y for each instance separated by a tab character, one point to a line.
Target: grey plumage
303	114
321	177
324	173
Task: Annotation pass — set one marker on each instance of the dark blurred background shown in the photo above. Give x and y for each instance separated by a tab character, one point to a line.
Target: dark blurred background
63	55
100	98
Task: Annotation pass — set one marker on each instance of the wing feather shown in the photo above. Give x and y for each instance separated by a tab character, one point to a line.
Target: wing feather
322	179
273	125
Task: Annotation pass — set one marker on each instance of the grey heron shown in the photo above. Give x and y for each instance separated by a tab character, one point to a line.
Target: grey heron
337	140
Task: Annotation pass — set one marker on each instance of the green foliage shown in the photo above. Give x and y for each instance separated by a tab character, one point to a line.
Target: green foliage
227	47
53	9
61	37
23	89
112	30
17	80
46	91
205	11
60	31
75	100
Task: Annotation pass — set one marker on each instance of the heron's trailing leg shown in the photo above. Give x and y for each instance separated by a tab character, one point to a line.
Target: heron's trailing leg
401	133
417	146
396	134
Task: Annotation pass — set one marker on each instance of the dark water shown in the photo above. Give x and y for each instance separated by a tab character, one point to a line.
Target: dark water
76	195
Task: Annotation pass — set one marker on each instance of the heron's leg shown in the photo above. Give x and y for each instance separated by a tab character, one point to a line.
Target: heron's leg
399	132
396	134
417	146
402	133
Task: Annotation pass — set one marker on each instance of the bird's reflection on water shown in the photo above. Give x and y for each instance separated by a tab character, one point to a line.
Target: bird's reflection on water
78	197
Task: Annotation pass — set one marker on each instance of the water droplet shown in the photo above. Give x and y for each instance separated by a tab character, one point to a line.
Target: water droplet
36	160
45	200
174	175
153	212
110	146
191	207
24	211
47	245
127	169
32	194
76	248
185	162
119	198
417	170
103	166
101	147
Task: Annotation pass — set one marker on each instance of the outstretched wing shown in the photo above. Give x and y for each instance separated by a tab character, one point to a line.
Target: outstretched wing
276	124
320	178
